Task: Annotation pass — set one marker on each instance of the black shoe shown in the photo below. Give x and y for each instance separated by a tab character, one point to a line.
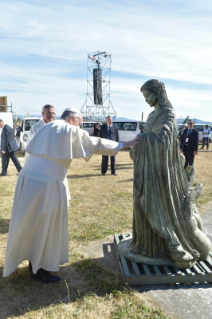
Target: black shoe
45	276
103	174
114	174
2	174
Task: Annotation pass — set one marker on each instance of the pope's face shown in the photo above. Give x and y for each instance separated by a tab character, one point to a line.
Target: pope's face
76	121
150	97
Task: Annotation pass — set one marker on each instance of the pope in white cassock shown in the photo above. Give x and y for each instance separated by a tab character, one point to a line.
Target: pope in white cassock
48	112
39	221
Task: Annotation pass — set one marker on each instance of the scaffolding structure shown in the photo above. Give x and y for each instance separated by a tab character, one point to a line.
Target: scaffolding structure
98	105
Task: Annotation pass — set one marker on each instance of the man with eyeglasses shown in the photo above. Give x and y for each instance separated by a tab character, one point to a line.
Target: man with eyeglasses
189	143
48	113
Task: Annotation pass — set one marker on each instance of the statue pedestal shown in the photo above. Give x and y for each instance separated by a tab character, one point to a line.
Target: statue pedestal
136	273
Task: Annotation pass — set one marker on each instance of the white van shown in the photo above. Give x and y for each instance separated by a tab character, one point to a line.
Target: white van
128	129
88	126
200	128
23	130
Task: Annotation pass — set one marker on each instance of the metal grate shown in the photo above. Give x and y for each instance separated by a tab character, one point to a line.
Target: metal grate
141	274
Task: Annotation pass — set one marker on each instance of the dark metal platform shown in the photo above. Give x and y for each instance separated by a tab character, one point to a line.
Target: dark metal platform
142	274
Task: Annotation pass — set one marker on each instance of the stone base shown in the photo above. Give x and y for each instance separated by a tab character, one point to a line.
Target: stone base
125	249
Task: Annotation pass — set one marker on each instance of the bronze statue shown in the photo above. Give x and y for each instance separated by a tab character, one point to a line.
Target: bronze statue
167	228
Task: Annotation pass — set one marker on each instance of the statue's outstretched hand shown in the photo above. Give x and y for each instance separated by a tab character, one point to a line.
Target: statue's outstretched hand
131	143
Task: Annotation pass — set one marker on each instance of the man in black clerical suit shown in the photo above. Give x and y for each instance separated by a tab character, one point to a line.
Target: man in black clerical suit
189	143
8	148
110	132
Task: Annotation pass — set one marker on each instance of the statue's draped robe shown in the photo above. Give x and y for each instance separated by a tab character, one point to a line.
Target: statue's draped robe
39	221
163	224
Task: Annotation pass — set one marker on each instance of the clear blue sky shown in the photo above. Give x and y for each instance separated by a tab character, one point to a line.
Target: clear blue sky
45	43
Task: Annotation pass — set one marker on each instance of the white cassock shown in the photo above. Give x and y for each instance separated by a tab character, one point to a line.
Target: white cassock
39	221
34	129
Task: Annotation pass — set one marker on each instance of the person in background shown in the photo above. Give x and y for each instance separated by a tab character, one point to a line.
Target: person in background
8	148
48	113
205	137
110	132
189	143
180	134
96	129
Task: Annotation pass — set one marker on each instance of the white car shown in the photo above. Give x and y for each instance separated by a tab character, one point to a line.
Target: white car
128	129
23	130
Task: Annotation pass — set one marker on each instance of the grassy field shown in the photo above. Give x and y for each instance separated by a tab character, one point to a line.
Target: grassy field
100	206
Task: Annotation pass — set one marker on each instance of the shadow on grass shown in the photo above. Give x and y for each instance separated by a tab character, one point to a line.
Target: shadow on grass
83	279
4	226
20	295
83	176
126	181
119	167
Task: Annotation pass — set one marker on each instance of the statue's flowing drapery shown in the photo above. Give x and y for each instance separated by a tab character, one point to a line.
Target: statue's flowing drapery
166	222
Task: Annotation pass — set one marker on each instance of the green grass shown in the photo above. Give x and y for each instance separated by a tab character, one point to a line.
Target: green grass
100	206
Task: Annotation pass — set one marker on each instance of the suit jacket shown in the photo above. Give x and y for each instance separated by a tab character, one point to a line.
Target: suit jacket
8	142
114	132
193	140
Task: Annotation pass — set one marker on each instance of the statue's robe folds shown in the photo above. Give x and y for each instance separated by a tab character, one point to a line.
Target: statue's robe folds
165	220
39	222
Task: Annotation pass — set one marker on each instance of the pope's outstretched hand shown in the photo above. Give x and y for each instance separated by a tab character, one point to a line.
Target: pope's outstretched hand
131	143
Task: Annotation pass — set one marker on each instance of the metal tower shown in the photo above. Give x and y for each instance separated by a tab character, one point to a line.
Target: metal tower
98	105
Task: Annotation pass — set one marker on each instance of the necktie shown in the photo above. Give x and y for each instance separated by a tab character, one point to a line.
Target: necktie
189	132
109	133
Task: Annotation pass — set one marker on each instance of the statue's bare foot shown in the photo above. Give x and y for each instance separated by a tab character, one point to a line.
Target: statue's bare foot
136	249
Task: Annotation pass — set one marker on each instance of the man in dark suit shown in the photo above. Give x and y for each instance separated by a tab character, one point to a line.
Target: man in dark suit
189	143
8	148
110	132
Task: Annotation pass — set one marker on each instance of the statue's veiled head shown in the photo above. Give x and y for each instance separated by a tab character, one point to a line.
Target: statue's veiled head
154	91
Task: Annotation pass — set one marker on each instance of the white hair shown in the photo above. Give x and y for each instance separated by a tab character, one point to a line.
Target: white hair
71	112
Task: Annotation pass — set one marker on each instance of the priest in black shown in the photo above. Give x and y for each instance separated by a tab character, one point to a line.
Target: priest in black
110	132
8	148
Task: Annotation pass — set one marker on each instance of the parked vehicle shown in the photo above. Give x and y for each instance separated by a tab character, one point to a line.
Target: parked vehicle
88	126
23	130
128	129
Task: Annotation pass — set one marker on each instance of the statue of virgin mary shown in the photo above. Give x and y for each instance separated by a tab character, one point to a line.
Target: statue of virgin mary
167	228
